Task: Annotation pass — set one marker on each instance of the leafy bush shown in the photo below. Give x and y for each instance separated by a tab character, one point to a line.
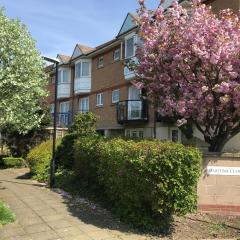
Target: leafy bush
13	162
65	152
146	182
84	124
39	159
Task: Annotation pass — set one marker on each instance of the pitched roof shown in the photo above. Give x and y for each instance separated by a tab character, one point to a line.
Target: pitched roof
85	49
64	59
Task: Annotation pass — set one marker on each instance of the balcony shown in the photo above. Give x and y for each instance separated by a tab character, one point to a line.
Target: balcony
63	90
82	85
132	111
65	119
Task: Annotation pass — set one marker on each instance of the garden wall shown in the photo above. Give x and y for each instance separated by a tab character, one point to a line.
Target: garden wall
219	185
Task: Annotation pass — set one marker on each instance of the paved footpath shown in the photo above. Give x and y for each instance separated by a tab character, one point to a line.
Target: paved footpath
42	214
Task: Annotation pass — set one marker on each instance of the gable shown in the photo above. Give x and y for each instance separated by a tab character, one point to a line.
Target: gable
77	52
128	24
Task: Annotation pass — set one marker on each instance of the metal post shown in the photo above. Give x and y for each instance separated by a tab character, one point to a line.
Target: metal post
53	160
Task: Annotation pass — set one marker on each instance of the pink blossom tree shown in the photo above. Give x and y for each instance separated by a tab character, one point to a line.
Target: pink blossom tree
190	64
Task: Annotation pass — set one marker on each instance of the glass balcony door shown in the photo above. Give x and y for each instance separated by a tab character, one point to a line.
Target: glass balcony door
134	105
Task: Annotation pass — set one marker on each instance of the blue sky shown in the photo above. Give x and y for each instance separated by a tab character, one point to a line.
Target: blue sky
58	25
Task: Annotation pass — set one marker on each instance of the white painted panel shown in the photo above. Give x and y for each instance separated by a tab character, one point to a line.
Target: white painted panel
63	90
82	85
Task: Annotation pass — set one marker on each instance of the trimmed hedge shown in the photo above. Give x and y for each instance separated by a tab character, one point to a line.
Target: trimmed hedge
146	182
39	159
13	162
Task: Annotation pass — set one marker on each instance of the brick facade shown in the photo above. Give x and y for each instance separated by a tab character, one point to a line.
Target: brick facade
111	77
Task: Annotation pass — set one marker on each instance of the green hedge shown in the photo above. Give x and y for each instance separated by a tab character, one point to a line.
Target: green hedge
65	151
39	159
146	182
13	162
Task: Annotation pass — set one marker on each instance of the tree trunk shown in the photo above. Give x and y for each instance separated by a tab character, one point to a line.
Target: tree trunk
217	143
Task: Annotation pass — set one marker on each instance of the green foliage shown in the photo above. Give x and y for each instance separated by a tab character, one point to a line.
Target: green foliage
6	216
65	154
39	159
22	80
84	124
13	162
146	182
20	143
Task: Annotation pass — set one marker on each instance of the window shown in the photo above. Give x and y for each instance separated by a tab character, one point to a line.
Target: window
85	69
99	99
64	107
175	135
115	96
78	70
52	108
63	76
100	62
116	55
134	134
84	105
129	47
82	69
140	134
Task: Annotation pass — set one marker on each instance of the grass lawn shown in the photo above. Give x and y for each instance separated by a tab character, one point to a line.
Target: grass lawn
6	216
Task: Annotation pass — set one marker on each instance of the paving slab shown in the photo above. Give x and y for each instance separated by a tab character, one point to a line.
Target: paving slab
43	214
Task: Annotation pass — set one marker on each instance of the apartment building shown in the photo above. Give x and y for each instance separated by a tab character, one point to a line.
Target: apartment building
98	80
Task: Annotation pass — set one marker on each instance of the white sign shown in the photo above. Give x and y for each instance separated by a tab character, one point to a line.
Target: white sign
227	171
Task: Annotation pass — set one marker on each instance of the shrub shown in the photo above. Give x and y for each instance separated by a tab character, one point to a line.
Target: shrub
64	154
84	124
13	162
86	157
146	182
39	159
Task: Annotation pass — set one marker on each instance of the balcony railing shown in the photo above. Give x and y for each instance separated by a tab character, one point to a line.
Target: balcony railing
132	111
65	119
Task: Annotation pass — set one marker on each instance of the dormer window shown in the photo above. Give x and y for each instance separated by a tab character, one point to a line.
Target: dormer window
82	69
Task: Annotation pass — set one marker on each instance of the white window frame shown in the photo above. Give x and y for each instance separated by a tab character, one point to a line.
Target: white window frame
66	105
82	102
79	74
98	62
114	55
60	76
133	36
99	99
114	100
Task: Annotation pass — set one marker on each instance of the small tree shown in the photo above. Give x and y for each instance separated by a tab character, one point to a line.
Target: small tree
84	124
190	65
22	80
20	143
